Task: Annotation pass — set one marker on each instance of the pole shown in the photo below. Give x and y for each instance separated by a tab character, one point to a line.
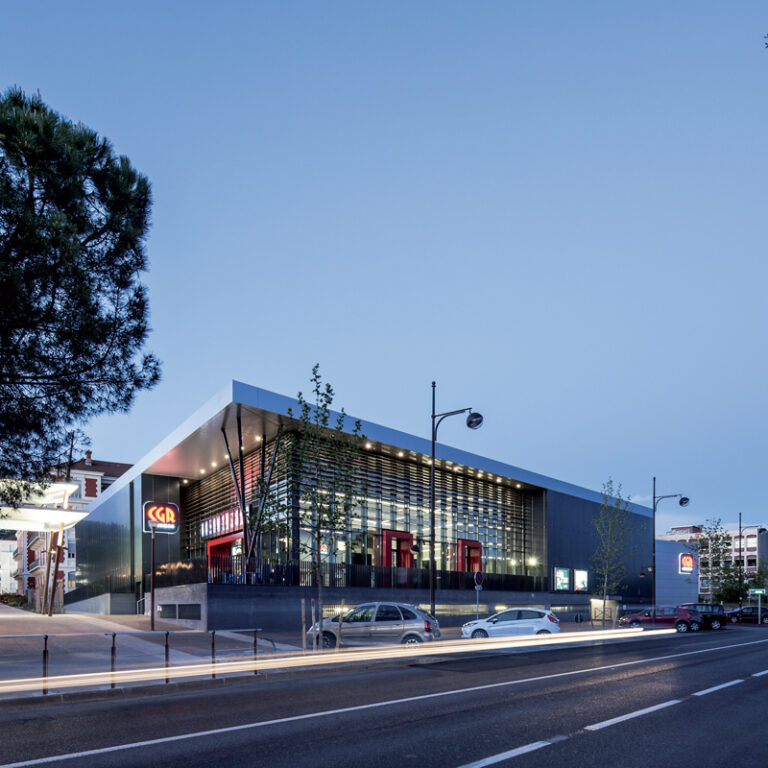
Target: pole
213	653
741	572
56	558
653	557
432	514
152	583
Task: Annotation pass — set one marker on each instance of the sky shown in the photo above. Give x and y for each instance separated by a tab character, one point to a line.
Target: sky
555	210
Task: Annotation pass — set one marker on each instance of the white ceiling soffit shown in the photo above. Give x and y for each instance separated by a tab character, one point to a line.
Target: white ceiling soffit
44	511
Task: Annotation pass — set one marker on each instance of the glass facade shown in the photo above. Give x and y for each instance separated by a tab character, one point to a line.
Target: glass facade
480	519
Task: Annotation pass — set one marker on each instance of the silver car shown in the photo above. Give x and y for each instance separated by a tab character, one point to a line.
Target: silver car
378	623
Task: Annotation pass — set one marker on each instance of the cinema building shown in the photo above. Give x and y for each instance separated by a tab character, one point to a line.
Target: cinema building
530	536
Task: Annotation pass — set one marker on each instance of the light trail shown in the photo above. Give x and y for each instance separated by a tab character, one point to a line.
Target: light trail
321	659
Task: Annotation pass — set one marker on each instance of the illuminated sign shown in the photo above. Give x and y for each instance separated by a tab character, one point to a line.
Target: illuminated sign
562	579
687	562
580	581
221	524
164	515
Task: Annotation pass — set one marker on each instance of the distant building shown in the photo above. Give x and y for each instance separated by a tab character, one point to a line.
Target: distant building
752	548
31	548
7	546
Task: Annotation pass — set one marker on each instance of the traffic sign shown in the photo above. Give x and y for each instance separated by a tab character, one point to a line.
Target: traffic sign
478	578
478	587
754	592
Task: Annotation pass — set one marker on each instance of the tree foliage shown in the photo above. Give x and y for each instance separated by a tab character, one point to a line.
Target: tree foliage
324	457
712	547
615	536
73	313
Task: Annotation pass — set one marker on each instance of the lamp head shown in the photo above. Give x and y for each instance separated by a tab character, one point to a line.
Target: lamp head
474	420
684	501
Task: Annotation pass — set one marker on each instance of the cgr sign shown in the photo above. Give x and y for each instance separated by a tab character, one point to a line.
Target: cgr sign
686	563
164	515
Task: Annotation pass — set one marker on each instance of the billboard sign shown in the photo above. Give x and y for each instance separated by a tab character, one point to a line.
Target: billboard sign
686	562
164	515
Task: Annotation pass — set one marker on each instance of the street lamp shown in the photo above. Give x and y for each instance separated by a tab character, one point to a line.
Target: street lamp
474	421
152	525
683	502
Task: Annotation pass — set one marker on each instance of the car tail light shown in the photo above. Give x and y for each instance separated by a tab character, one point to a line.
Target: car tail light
553	619
427	626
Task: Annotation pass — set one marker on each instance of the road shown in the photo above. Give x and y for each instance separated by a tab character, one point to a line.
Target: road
639	703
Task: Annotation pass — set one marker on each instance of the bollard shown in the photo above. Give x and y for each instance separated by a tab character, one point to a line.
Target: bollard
313	619
45	663
167	658
113	660
341	618
255	650
213	653
303	626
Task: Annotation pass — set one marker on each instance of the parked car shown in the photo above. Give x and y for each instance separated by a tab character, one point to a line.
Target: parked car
513	621
682	619
712	613
747	614
377	623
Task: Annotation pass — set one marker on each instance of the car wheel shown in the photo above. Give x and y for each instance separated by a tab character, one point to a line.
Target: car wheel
543	632
635	624
479	633
764	619
681	626
695	626
715	624
329	640
733	619
411	640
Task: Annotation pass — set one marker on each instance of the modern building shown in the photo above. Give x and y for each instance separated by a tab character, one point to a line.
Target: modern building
530	535
750	545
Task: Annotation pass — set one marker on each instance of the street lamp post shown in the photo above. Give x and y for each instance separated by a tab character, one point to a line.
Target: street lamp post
474	421
684	501
152	525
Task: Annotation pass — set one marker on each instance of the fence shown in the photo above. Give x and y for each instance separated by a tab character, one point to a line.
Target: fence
223	569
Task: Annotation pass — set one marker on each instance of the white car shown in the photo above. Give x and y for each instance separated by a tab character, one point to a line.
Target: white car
513	621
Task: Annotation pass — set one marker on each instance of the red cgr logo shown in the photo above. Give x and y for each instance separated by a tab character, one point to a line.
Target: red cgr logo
161	514
686	563
164	518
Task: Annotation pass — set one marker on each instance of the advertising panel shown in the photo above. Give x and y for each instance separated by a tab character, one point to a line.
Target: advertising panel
562	579
580	579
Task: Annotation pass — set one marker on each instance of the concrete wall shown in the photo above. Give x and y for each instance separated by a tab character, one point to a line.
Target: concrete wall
109	603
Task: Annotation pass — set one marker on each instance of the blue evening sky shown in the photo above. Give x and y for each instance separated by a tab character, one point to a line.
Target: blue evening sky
556	210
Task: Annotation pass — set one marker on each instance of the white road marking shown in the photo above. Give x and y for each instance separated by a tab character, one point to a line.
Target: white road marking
760	674
374	705
717	688
630	715
507	755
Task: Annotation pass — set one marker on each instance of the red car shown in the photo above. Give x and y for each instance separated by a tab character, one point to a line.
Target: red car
682	619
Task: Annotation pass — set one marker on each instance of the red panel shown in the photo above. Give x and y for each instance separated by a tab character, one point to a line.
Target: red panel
91	487
470	555
402	541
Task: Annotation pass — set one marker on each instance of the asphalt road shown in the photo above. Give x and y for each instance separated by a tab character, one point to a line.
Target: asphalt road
640	703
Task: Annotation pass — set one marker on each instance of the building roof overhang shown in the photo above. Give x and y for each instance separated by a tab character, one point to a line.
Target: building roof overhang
197	447
44	511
